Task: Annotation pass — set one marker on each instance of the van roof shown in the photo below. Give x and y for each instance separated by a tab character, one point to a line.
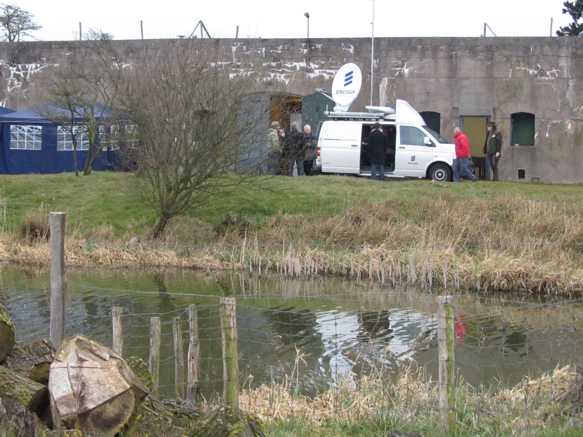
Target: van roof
404	113
360	116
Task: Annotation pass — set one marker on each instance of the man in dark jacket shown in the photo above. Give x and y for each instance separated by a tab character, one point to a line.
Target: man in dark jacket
290	150
493	151
297	150
377	146
310	150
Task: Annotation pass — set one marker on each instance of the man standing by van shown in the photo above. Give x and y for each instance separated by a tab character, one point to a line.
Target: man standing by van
295	140
493	151
377	146
310	150
461	163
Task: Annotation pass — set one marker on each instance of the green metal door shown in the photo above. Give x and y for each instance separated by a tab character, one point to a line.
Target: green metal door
475	128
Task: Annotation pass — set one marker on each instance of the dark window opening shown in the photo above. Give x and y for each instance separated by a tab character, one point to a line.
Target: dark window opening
432	119
521	173
391	133
522	129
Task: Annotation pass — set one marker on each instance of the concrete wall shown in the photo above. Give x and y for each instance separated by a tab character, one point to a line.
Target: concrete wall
493	77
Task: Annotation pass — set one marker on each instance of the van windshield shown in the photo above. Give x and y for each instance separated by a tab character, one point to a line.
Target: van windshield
437	136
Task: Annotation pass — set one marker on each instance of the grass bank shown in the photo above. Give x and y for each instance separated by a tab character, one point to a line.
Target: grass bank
482	236
408	405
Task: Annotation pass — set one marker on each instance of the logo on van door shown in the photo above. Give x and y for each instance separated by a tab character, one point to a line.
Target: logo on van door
348	78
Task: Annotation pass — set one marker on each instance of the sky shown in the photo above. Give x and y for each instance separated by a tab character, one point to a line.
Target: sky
285	19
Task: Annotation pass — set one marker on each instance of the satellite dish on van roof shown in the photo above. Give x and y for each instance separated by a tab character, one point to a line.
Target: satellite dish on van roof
346	86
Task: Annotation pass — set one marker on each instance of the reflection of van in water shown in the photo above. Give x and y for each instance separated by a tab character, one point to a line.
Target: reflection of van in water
415	150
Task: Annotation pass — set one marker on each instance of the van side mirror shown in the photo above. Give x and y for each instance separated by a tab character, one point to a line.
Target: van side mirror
427	141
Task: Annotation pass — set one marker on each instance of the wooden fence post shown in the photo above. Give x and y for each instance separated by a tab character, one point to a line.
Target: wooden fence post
446	345
178	358
193	356
154	364
117	342
230	353
57	279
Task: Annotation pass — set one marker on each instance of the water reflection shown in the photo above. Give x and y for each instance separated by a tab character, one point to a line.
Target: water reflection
316	331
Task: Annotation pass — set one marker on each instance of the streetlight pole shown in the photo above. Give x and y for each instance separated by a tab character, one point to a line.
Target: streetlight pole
372	54
308	63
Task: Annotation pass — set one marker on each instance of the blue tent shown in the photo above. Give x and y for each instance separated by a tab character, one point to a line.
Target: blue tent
28	144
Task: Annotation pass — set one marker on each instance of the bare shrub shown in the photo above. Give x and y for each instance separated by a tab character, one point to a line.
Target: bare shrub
234	223
185	109
35	226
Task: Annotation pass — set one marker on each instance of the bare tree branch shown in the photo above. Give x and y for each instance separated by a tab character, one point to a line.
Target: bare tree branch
16	23
186	113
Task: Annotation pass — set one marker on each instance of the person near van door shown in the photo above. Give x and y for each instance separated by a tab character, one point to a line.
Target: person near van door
493	151
295	139
274	154
310	150
377	146
289	151
461	163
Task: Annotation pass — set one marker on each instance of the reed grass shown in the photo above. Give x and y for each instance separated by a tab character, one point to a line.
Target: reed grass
380	405
484	237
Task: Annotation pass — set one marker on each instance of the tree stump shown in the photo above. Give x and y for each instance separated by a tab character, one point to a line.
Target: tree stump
6	333
92	388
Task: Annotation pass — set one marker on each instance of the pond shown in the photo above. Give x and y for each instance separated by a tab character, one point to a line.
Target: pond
317	331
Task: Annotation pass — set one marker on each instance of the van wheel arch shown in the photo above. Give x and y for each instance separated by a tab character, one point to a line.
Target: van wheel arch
440	172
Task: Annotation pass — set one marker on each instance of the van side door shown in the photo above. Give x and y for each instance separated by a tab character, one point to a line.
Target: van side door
415	150
340	147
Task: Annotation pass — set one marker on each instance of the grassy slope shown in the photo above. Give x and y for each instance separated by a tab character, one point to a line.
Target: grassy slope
112	198
495	236
100	199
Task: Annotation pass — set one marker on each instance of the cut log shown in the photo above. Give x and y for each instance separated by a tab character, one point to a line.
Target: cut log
109	418
17	421
32	360
31	395
92	388
6	333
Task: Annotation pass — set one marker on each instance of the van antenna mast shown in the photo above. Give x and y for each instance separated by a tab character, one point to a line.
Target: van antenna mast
372	53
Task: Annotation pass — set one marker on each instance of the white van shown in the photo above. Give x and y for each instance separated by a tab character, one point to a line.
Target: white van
415	150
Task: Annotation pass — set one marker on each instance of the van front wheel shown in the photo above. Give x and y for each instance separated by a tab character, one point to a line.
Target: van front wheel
439	172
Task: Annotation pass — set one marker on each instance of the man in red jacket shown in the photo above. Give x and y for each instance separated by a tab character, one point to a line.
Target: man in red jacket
461	163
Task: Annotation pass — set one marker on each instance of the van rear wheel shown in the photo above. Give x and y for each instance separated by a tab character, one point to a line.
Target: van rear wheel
439	172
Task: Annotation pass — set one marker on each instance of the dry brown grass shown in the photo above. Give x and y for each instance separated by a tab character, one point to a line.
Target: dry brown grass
500	244
79	254
503	244
411	400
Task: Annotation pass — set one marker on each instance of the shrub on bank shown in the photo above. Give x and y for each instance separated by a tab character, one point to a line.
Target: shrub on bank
35	226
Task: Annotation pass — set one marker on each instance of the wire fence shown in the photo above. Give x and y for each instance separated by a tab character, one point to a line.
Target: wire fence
317	344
